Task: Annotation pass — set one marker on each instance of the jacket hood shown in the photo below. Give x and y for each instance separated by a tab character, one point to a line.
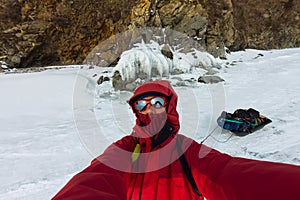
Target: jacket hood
163	87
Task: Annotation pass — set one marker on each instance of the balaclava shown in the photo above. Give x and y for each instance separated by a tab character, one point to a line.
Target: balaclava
150	124
157	121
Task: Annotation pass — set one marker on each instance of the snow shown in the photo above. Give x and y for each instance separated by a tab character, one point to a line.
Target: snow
54	122
3	65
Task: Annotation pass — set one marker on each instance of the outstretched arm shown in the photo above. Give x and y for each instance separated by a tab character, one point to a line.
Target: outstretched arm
97	181
100	180
224	177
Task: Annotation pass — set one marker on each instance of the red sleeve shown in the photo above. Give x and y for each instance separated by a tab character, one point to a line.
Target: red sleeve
225	177
99	181
95	182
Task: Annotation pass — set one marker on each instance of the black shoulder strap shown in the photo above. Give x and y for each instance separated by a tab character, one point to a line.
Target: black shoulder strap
186	168
163	135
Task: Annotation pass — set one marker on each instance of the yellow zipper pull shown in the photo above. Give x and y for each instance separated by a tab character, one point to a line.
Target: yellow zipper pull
136	153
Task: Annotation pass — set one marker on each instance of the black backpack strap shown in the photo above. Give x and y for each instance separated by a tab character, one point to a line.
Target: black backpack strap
186	168
164	134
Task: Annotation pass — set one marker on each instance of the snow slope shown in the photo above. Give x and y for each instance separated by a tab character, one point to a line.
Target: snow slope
42	142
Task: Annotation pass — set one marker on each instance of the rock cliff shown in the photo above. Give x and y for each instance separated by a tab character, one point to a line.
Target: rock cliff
58	32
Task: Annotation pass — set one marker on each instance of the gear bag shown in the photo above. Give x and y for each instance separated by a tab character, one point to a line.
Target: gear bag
242	121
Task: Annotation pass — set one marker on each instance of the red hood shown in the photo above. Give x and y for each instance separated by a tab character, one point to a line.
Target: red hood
165	88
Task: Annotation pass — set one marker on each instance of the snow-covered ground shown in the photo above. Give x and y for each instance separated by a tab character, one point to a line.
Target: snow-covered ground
42	135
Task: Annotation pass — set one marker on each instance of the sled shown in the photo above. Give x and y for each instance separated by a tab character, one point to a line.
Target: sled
242	122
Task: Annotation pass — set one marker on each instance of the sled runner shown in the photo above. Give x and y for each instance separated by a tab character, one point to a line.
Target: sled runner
243	122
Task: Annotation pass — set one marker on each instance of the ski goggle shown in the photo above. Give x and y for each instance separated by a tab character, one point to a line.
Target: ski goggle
157	102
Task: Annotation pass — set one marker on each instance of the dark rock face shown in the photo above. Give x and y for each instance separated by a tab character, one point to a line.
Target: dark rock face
52	32
266	24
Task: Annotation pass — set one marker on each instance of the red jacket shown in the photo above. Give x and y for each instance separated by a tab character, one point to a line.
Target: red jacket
156	172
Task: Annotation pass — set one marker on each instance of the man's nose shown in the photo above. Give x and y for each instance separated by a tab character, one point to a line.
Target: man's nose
148	109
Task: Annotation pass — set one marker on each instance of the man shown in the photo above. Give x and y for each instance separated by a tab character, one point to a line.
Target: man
155	162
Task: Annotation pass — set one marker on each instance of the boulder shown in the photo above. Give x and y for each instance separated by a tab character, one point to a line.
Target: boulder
210	79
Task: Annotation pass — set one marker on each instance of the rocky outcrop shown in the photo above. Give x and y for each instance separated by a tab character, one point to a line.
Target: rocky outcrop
266	24
52	32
